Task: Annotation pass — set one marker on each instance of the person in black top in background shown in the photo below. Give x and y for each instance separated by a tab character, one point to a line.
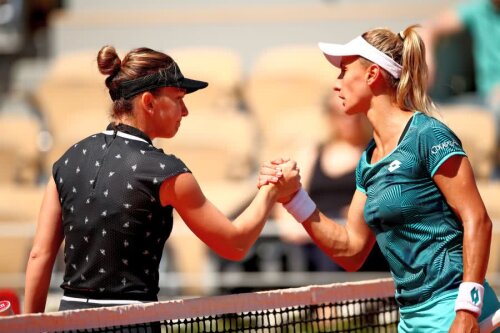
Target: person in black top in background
328	173
112	194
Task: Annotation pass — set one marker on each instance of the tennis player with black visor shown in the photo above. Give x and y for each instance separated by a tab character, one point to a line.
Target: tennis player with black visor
112	194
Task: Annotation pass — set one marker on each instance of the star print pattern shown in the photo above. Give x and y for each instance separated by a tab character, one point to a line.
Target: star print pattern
109	193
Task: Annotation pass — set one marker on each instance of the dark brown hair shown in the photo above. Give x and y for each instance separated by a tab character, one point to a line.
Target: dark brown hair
137	63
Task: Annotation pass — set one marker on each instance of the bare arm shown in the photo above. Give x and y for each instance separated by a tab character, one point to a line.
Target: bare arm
231	240
455	180
48	239
289	230
348	245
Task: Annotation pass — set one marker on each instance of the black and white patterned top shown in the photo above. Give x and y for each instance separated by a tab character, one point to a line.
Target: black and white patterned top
114	224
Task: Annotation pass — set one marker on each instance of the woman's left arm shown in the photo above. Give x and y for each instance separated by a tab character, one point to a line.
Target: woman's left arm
48	239
455	179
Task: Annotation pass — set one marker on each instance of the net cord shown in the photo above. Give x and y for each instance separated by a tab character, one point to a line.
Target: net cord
196	307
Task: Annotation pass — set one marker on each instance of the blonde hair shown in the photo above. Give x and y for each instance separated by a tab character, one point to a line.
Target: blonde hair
407	49
137	63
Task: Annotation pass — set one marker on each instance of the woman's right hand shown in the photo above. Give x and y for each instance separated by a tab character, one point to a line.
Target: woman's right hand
284	174
270	172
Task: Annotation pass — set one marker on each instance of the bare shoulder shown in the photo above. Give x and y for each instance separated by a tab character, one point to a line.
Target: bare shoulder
182	189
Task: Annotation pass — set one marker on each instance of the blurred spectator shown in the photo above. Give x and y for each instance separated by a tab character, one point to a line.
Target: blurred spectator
12	36
23	32
12	26
328	175
481	19
38	16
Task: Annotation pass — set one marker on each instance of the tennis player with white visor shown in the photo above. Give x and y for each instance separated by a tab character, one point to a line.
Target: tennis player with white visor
416	193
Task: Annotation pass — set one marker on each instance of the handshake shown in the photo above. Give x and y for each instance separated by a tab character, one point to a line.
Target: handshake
284	176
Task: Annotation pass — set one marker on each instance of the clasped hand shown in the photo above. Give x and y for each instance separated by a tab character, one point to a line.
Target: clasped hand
284	175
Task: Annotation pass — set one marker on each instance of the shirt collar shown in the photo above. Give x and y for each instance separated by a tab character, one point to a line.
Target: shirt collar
129	130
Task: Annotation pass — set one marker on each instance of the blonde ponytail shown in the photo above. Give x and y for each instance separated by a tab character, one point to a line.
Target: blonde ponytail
407	49
412	87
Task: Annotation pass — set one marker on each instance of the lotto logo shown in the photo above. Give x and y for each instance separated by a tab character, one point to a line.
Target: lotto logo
474	295
394	165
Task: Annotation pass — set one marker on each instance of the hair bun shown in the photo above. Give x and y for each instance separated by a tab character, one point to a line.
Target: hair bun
108	61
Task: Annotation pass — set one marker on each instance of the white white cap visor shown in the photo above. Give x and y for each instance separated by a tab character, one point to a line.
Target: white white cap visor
360	47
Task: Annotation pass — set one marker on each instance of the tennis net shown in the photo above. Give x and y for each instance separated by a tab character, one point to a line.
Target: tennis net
367	306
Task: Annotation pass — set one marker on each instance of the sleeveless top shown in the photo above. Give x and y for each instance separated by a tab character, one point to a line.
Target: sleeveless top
114	225
331	194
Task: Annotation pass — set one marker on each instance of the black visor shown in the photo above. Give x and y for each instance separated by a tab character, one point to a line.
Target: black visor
167	77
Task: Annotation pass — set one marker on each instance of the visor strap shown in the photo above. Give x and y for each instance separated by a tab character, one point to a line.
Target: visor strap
166	77
370	52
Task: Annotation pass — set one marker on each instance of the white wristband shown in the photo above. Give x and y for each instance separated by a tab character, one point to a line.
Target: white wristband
470	297
301	206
